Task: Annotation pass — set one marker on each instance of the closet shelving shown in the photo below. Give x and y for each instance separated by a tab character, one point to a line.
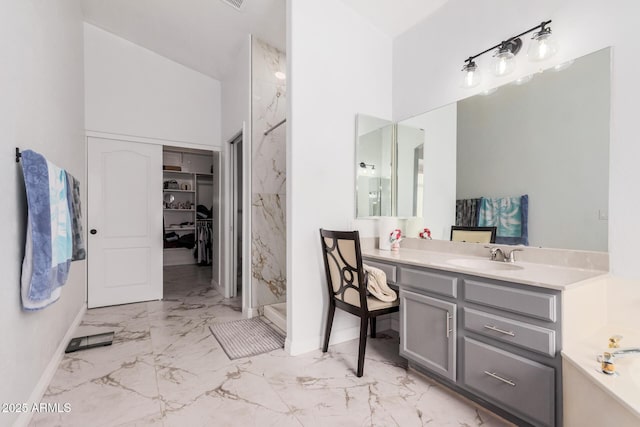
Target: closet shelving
182	217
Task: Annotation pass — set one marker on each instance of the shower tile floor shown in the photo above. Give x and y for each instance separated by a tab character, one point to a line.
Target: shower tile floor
166	369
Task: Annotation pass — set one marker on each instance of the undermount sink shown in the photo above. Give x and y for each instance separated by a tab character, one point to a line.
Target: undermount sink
482	264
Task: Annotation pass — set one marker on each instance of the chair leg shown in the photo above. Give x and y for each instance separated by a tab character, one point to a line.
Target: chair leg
363	345
327	331
372	321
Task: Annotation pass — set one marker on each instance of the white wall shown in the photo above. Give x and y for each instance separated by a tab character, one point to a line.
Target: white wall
426	75
236	97
41	108
339	65
133	91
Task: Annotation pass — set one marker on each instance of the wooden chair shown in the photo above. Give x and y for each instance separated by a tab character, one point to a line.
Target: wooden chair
473	234
347	286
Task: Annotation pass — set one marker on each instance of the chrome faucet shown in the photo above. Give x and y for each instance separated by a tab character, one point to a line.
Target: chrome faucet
608	358
493	255
497	254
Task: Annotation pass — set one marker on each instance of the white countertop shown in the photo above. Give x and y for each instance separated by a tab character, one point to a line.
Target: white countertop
536	274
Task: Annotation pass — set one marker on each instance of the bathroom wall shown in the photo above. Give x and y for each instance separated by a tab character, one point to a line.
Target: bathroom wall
430	79
41	108
133	91
338	65
268	176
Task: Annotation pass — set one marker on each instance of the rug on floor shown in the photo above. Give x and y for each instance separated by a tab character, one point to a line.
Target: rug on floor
246	337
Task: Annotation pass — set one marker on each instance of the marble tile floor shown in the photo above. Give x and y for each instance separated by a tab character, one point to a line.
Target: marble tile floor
166	369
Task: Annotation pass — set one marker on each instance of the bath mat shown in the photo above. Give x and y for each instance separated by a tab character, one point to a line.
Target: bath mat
247	337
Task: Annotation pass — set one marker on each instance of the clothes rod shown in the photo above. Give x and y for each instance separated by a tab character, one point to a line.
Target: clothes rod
268	131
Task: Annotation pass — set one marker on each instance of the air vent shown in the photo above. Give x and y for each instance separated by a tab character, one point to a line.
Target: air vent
236	4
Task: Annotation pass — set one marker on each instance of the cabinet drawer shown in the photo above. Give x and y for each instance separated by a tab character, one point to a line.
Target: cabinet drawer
389	270
511	331
521	385
428	281
529	303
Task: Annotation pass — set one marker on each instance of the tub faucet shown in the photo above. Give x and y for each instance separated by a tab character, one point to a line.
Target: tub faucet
608	358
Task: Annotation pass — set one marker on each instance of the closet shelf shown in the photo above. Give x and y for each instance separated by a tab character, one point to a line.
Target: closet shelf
168	172
179	228
179	210
178	191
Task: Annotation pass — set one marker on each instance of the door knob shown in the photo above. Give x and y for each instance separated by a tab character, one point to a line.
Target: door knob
93	231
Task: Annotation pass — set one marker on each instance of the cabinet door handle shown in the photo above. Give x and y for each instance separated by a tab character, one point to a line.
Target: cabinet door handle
449	330
498	377
502	331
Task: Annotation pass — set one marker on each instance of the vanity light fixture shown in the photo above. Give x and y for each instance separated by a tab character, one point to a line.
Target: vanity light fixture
541	47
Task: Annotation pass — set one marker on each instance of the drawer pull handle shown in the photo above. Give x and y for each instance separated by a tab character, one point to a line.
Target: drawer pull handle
449	330
498	377
502	331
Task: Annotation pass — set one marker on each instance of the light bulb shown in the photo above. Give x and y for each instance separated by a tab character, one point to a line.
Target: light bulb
542	45
472	76
503	62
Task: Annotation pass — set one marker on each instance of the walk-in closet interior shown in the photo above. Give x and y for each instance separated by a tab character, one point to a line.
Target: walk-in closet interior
191	206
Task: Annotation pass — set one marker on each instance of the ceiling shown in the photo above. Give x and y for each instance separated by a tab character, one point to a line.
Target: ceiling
394	17
204	35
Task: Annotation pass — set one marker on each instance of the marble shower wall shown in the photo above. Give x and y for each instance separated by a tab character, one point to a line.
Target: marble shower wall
268	174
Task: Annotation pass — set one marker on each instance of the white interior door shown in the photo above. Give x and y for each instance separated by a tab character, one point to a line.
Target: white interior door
125	222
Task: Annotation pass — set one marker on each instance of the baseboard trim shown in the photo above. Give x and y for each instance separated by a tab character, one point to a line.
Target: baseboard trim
297	347
36	395
250	312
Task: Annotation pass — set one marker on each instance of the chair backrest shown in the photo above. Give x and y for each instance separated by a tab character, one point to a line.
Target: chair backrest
473	234
343	267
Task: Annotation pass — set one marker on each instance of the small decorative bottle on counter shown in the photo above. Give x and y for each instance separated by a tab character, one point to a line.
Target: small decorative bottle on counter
394	239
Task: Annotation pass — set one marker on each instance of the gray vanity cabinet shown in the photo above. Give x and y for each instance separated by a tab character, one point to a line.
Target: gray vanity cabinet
428	332
497	342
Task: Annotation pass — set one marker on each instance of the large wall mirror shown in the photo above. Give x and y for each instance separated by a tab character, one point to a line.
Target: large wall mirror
389	169
546	137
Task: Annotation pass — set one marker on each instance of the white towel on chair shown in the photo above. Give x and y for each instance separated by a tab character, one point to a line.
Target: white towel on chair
377	284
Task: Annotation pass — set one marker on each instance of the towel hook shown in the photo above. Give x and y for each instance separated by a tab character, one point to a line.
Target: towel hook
18	155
